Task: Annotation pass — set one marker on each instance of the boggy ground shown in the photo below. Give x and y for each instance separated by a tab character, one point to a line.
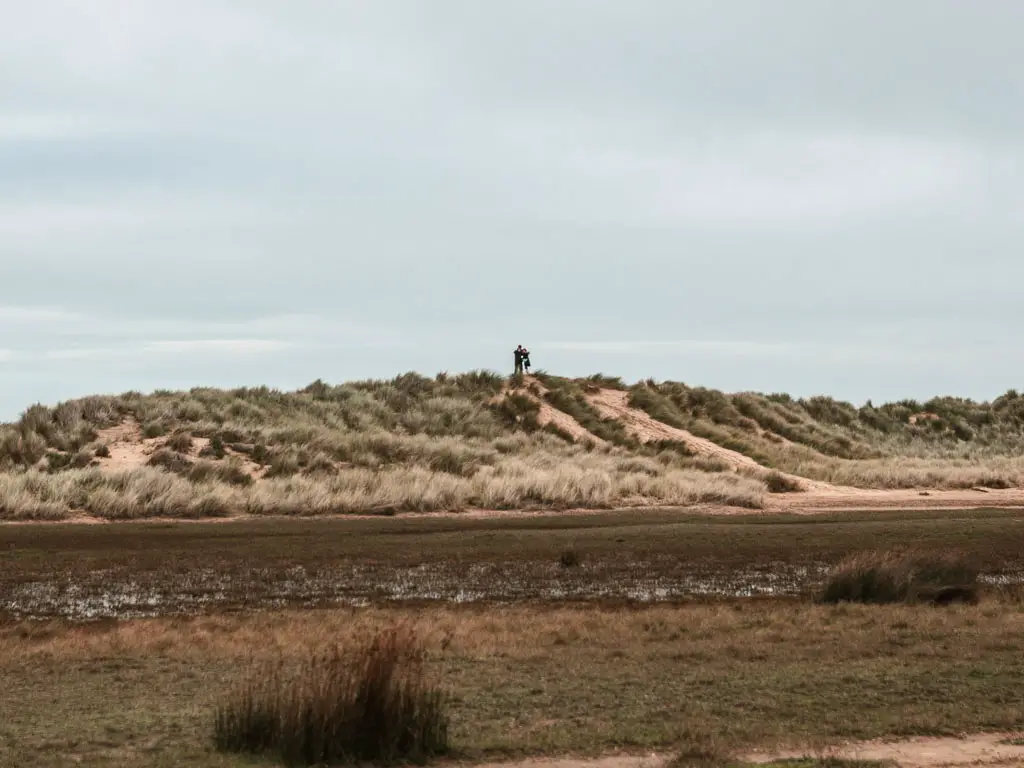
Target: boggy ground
169	568
558	665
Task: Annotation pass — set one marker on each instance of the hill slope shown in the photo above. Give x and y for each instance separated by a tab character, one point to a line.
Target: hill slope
479	441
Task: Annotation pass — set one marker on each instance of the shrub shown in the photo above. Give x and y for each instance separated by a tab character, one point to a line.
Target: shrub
570	558
888	577
260	454
22	448
215	449
231	472
102	451
518	410
780	483
57	461
700	750
171	461
656	405
371	703
180	442
153	429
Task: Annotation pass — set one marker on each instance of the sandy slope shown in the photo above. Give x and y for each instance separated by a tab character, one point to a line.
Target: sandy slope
548	414
613	403
130	450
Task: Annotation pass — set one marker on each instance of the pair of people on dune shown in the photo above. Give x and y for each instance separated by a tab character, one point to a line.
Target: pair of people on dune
522	357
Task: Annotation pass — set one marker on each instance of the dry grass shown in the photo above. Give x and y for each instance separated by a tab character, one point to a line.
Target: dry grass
777	482
903	472
901	577
577	478
421	444
372	702
412	444
965	445
536	680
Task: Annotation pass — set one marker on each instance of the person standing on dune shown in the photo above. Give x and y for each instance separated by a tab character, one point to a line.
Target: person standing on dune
519	359
526	360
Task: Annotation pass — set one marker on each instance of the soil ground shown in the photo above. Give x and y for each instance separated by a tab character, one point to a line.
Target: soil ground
921	752
541	660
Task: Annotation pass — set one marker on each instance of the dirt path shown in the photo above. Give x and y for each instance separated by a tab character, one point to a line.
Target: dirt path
982	749
838	498
128	449
613	403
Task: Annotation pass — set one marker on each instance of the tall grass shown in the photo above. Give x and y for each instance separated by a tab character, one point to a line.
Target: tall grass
453	442
897	577
214	489
966	445
371	703
899	472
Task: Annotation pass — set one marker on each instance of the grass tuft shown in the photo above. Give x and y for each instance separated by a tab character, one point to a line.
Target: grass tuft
570	558
891	577
700	751
373	703
170	460
180	442
780	483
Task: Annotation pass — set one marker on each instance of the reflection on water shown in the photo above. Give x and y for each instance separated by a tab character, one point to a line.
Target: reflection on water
110	594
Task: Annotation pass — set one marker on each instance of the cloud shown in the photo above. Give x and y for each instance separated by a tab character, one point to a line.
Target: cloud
738	348
891	352
15	315
57	127
230	347
802	195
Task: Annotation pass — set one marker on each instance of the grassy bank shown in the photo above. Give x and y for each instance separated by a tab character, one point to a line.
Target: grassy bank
414	443
537	681
944	442
556	480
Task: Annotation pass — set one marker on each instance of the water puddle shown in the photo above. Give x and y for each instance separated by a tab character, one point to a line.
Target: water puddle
121	595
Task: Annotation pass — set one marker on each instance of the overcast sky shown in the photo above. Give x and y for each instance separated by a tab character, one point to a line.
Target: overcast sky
792	195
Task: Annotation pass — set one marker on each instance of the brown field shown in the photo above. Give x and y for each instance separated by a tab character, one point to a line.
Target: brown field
153	568
539	680
543	660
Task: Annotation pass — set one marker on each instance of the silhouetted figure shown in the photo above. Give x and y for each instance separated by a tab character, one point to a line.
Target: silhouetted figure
519	359
526	360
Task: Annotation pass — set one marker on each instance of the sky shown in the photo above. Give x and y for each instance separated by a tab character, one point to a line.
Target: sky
819	198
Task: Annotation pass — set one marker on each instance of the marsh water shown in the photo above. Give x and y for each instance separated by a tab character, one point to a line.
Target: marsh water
78	573
121	595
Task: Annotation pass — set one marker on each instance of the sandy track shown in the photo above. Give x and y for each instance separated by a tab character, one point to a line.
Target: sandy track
982	749
613	403
841	498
